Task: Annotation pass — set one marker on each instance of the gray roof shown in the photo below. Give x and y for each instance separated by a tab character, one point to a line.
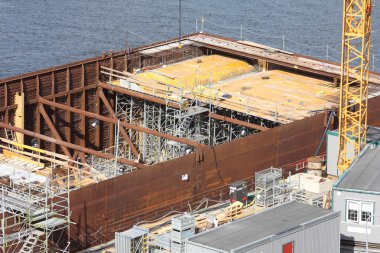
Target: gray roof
133	232
245	233
364	173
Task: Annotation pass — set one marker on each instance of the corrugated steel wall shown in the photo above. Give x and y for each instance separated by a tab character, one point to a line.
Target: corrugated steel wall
118	203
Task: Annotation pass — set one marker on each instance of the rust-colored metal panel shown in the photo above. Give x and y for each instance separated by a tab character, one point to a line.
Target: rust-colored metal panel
45	84
118	203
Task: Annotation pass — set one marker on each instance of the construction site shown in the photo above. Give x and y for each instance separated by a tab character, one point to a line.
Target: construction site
142	149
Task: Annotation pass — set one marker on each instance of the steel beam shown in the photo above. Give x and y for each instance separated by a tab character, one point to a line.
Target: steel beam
53	116
68	102
113	115
38	116
53	129
237	122
53	96
82	157
124	124
6	115
138	95
97	109
83	107
72	146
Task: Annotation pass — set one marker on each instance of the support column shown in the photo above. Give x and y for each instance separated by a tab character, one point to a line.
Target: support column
52	92
6	116
68	103
83	107
38	118
20	116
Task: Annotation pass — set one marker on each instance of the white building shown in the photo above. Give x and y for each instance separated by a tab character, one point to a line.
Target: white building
357	196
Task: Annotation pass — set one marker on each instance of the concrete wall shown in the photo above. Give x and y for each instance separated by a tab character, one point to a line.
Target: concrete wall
320	237
339	204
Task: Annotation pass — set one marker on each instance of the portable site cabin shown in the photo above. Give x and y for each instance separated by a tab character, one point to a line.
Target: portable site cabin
289	228
357	196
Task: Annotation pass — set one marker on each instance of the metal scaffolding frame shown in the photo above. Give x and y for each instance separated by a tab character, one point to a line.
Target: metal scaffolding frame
183	112
268	187
35	200
190	123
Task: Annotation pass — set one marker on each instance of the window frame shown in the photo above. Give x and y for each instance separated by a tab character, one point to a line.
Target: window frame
360	211
347	210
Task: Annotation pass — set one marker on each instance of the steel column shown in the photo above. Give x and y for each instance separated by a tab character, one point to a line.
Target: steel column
53	129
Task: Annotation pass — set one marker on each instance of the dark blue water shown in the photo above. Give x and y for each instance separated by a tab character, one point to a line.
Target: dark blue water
36	34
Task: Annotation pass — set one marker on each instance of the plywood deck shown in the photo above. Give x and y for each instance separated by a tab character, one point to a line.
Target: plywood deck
279	95
197	71
273	95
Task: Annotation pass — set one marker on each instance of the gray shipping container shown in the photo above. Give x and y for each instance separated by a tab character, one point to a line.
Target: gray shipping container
132	240
307	228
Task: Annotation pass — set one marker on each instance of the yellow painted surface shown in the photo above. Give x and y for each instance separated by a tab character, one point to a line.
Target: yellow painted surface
10	154
197	71
20	116
274	95
356	45
285	92
22	146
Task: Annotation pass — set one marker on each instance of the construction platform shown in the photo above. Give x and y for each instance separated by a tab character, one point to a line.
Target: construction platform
162	127
232	84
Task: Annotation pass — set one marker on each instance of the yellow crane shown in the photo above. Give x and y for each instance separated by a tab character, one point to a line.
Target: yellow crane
355	63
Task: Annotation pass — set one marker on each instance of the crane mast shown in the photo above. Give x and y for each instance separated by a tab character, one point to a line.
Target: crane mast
355	63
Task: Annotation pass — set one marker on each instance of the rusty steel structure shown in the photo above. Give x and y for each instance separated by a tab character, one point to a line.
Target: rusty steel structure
73	110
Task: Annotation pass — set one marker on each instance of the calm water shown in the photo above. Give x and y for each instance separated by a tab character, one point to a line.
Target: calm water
37	34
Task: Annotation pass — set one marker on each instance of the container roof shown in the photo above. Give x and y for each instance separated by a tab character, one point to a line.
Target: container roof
134	232
373	134
364	173
245	233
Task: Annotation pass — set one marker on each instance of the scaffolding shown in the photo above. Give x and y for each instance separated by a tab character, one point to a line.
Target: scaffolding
183	227
269	187
35	198
186	114
313	199
190	123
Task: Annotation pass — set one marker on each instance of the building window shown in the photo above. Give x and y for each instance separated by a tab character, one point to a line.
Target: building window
352	211
359	211
366	210
288	247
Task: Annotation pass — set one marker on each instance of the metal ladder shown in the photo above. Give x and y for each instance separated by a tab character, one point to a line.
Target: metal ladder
10	135
185	124
31	242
